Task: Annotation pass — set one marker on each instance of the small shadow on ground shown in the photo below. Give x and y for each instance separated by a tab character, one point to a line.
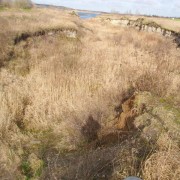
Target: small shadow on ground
90	129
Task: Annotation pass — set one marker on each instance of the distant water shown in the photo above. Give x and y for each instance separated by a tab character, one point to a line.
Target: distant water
85	15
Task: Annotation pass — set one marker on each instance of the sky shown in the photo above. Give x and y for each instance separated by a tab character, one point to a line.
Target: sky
149	7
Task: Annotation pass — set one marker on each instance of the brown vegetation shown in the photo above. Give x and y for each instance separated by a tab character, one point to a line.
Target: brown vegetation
16	3
60	95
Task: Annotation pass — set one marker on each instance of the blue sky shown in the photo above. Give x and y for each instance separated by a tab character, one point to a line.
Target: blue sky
150	7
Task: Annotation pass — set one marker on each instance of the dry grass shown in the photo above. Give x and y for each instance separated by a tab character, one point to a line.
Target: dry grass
52	83
15	22
163	164
16	3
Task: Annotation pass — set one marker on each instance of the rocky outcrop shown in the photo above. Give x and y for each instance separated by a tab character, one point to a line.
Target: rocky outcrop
141	25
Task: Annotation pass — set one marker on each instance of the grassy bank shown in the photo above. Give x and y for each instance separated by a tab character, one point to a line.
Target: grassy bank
62	97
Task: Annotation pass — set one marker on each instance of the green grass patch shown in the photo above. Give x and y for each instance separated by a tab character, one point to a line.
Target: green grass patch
168	104
26	169
26	9
177	19
32	172
2	8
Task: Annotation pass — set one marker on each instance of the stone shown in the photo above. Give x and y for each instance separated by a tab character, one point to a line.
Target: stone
116	22
70	34
150	29
124	22
153	29
50	33
168	34
159	30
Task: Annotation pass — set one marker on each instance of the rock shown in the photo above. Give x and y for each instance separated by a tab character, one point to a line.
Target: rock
116	22
168	34
70	34
159	30
153	29
150	29
124	22
50	33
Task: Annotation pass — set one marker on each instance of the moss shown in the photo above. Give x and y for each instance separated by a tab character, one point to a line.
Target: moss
27	9
162	100
26	169
168	104
32	167
2	8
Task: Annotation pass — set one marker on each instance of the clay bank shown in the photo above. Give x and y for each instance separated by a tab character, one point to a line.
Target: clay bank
142	25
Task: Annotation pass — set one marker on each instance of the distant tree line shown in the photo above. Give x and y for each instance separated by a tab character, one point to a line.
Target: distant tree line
16	3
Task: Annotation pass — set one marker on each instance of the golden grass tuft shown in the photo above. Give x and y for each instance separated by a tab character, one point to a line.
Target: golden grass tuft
163	165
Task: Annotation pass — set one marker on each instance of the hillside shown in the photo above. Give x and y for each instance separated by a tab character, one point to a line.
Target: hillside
88	99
